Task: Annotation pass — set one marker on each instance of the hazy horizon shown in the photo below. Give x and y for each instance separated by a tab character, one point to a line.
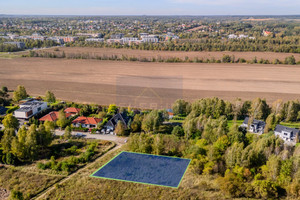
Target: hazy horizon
155	7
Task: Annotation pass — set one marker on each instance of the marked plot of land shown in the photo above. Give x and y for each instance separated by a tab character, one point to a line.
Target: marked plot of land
144	168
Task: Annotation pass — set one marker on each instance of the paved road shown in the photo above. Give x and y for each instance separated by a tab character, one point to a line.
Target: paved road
108	137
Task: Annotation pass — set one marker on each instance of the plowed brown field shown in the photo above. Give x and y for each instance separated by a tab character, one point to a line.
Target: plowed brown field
149	84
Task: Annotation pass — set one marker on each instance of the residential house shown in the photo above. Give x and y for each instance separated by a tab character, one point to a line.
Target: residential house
256	126
170	113
150	39
52	116
94	40
112	123
30	108
232	36
117	36
111	41
72	111
86	122
266	33
287	134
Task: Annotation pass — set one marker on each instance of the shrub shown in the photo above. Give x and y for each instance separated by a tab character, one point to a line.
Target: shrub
226	59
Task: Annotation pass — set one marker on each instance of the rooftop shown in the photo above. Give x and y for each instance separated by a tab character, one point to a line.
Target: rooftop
280	128
72	110
32	103
87	120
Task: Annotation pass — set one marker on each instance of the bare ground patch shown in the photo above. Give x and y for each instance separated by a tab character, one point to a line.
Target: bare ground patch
4	193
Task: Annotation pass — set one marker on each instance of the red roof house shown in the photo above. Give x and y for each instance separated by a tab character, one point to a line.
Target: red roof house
86	122
52	116
72	111
171	115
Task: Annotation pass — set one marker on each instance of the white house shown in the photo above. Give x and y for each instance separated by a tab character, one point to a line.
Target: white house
256	126
150	39
286	133
94	40
29	109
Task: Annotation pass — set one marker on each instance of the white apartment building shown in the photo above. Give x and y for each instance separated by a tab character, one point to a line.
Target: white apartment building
29	109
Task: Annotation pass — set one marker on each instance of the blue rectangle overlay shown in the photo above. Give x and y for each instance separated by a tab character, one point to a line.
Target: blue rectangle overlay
145	168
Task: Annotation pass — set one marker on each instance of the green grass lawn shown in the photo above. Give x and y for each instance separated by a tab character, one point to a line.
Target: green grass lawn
9	107
177	119
55	103
291	124
231	122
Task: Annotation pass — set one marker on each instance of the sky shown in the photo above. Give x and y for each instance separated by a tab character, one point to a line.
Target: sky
150	7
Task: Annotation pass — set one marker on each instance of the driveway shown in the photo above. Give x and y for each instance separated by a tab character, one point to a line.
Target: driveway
108	137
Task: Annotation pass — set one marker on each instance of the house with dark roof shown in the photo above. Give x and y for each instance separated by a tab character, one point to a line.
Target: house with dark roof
287	134
30	108
112	123
256	126
3	111
86	122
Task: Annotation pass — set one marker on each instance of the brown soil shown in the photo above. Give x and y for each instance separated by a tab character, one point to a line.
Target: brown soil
271	56
149	85
4	194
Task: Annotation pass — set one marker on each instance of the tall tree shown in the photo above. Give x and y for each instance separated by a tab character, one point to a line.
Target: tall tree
152	121
20	93
136	123
271	122
120	129
112	109
50	97
10	121
31	142
7	139
68	132
259	109
181	107
62	119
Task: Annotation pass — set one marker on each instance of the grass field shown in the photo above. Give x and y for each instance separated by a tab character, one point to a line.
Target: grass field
149	85
28	183
231	122
30	180
82	186
291	124
4	55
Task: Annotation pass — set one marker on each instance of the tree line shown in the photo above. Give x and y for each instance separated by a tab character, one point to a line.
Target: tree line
290	60
247	165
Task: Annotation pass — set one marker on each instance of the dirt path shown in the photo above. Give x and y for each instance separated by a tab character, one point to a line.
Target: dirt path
44	193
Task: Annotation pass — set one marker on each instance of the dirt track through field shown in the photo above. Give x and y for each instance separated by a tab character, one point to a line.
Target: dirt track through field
149	85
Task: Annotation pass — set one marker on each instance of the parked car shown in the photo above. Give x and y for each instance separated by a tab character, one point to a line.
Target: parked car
79	135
